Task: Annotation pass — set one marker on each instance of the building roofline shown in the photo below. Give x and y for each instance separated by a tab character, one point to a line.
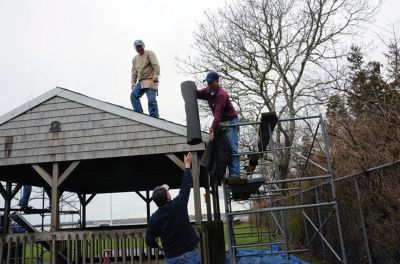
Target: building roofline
98	104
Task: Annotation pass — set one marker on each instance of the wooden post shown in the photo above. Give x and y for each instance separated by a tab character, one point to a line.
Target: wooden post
83	203
7	207
208	198
53	250
148	201
214	186
55	220
55	182
196	187
55	217
8	193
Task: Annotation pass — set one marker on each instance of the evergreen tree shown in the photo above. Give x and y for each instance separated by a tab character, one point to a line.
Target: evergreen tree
367	87
393	57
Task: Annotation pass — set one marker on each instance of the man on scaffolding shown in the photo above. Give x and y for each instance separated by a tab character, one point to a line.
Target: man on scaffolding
224	114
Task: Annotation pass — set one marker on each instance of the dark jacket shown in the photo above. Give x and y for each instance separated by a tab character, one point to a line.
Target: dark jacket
217	155
171	223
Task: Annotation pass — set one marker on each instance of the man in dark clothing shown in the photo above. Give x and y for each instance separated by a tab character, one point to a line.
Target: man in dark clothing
224	113
171	222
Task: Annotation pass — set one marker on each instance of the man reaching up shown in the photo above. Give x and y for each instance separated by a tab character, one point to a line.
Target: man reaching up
171	222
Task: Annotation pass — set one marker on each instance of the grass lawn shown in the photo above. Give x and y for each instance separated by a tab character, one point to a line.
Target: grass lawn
246	234
258	237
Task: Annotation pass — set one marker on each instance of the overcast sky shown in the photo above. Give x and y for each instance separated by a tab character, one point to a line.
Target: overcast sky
86	46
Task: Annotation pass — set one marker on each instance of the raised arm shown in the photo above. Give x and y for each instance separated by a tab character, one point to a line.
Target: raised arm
187	182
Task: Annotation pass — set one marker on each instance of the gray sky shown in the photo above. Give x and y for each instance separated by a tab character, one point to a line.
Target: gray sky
86	46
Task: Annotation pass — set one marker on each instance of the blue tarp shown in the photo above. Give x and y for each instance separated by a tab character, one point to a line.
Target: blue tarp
250	257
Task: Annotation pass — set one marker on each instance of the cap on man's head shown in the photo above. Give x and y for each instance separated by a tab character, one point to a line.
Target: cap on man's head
138	42
211	76
160	195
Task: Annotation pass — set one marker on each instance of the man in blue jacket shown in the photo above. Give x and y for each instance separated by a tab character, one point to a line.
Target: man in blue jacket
171	222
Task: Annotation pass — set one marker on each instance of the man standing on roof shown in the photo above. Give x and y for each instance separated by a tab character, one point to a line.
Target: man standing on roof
171	222
145	74
224	114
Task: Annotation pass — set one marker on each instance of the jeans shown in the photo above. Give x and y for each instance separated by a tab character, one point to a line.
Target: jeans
191	257
26	194
137	93
233	136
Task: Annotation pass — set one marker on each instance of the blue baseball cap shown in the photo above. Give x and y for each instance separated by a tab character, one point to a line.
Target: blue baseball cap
138	42
211	76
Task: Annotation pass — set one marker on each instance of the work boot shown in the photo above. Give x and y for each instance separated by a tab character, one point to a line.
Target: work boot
27	208
236	181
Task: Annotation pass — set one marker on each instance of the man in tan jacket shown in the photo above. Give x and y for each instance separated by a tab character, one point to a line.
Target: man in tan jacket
145	73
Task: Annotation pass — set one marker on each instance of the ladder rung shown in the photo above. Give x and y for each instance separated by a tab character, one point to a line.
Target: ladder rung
252	234
280	208
259	244
276	253
284	190
266	196
295	180
244	153
299	179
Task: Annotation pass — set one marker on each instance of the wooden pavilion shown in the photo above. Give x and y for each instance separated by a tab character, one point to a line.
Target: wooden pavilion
66	141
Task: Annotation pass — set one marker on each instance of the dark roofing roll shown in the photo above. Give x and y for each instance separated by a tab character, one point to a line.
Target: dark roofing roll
189	93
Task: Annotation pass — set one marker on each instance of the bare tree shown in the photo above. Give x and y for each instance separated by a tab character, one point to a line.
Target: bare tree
277	55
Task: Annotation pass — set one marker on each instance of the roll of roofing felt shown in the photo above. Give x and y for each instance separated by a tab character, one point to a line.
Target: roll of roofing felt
189	93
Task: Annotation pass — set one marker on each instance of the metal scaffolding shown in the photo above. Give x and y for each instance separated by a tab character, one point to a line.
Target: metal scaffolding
69	205
268	209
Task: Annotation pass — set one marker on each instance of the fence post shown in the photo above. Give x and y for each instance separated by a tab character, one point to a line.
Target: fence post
365	234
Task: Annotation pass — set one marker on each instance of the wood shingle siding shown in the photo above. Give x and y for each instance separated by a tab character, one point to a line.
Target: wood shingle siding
88	131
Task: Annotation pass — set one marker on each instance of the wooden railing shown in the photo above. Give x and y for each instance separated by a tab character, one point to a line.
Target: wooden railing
89	246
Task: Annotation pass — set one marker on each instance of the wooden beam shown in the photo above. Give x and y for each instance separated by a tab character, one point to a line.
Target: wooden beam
196	187
67	172
147	200
176	160
15	190
90	198
141	196
4	193
83	200
45	176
